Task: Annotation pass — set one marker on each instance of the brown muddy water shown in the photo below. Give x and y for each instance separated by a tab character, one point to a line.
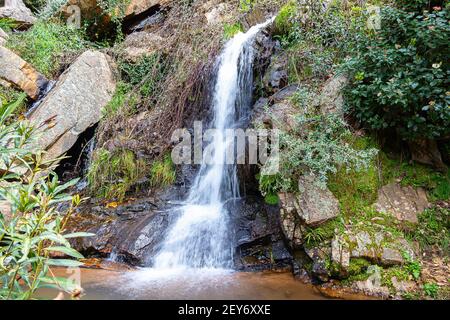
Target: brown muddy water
151	284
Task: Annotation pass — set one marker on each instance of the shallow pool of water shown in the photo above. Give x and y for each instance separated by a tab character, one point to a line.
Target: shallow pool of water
151	284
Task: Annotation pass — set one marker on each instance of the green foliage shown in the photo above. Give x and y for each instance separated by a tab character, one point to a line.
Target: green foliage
314	236
34	227
147	72
229	30
400	74
246	5
416	175
433	229
44	43
271	199
123	95
431	290
284	19
7	24
412	266
358	266
162	172
317	145
356	190
112	174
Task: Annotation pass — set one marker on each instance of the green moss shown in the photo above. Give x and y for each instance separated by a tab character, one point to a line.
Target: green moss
357	266
356	191
162	172
44	43
416	175
272	199
229	30
112	174
283	21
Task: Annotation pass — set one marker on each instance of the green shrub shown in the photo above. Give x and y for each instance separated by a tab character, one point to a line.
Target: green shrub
112	174
229	30
40	208
317	145
271	199
44	43
431	290
7	24
400	74
284	20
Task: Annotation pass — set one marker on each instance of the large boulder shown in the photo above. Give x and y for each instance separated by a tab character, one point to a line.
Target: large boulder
311	206
139	44
136	7
404	203
17	72
331	99
74	104
3	37
17	11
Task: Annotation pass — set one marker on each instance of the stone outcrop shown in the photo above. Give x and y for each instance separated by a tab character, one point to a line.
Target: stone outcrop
276	76
331	99
74	104
136	7
17	11
17	72
426	151
404	203
3	37
379	247
139	44
312	206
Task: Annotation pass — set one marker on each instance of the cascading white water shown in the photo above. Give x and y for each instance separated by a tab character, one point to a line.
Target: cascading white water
199	238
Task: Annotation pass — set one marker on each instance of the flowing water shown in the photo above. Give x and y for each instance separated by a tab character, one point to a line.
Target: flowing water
200	238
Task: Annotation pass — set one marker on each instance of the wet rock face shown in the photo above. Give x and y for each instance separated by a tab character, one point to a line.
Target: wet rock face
133	232
258	237
404	203
17	72
74	104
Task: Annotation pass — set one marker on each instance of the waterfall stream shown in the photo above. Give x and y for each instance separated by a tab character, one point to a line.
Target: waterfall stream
200	237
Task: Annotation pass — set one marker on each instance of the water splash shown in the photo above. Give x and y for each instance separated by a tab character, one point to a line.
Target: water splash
200	237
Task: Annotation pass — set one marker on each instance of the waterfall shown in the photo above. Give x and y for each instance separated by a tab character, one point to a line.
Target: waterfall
200	236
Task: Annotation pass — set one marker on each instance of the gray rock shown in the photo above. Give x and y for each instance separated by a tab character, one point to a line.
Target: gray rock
17	72
74	104
379	247
404	203
276	76
139	44
331	99
18	12
314	204
320	257
3	37
285	93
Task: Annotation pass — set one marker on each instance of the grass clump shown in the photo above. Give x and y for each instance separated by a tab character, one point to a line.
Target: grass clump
283	21
229	30
433	229
112	174
44	43
162	172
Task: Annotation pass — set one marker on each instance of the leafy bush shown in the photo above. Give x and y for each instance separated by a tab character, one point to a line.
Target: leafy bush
431	289
33	227
317	145
45	42
401	74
